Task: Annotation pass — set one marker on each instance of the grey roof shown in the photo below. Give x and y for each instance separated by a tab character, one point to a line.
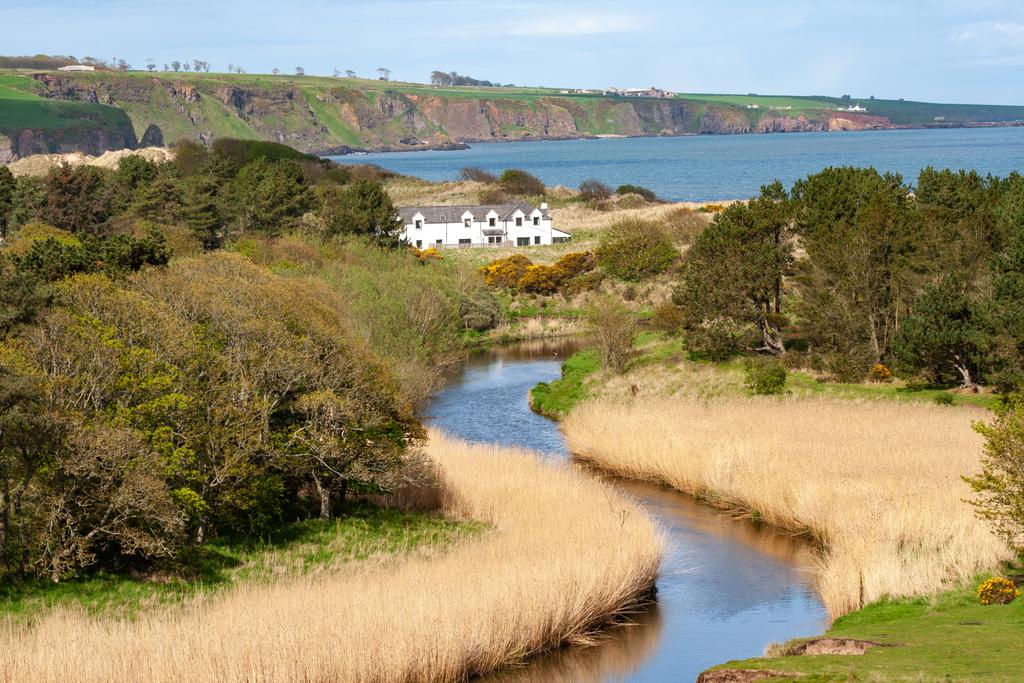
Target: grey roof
453	214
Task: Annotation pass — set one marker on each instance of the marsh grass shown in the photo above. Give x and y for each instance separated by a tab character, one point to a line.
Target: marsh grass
564	555
876	483
364	532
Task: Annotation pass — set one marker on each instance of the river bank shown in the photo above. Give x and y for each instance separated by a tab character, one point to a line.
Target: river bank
564	555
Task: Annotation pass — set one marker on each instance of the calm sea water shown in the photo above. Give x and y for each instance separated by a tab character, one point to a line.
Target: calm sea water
710	167
727	588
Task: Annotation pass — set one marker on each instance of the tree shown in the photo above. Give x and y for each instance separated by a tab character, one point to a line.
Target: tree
385	73
201	213
186	66
999	487
858	278
613	327
231	68
361	208
522	183
76	199
440	78
176	65
8	192
269	196
150	64
275	71
299	71
945	336
349	73
733	274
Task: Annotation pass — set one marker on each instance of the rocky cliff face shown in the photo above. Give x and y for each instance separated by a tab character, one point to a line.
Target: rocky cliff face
315	117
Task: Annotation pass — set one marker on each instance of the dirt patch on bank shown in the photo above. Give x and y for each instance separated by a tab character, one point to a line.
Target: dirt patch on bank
832	646
744	675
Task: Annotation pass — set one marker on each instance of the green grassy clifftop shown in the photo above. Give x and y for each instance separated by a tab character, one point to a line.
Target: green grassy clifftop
93	111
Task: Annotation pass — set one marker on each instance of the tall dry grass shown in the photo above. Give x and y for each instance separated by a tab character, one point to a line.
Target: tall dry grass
565	555
877	483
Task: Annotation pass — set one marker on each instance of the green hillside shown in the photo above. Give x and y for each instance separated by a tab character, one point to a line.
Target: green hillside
91	110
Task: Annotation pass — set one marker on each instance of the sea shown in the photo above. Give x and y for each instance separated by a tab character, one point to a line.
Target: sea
704	168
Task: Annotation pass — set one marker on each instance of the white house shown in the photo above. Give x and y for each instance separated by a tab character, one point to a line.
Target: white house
494	225
76	67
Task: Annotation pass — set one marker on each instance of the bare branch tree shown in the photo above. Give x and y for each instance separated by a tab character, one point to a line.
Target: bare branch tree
385	73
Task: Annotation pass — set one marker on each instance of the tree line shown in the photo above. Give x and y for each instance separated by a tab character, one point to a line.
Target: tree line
854	269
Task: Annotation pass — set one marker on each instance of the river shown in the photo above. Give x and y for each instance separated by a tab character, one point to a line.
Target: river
714	167
728	587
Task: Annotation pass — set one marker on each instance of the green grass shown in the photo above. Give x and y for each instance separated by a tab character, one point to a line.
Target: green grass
556	399
364	531
949	637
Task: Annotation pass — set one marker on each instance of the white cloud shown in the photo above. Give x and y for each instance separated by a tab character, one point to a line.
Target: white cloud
578	26
984	31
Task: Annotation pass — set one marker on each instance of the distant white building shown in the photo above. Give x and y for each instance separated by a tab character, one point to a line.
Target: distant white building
854	107
491	225
76	67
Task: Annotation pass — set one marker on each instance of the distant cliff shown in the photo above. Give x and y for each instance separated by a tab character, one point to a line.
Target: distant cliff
342	115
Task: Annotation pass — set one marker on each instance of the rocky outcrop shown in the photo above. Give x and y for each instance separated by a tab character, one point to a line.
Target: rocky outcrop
845	120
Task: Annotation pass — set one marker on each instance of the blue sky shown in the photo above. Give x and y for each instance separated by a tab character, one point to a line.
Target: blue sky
938	50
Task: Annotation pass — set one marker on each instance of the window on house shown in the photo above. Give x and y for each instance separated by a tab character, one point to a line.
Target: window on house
536	220
522	241
490	222
419	244
419	224
438	241
519	221
559	240
494	239
465	241
536	239
468	222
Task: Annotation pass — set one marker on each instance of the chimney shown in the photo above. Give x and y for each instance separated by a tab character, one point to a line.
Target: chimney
543	206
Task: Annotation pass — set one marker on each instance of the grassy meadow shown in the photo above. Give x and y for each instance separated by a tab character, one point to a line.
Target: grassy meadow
563	554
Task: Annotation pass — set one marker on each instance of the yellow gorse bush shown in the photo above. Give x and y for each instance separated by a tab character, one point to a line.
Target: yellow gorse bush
997	591
880	372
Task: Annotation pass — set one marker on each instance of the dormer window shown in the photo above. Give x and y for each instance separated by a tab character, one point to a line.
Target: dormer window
468	222
419	224
491	221
519	221
536	220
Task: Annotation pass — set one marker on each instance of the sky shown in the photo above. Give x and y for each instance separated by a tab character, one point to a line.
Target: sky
932	50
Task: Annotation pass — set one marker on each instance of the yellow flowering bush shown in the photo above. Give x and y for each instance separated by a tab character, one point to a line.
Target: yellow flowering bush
428	254
881	373
997	591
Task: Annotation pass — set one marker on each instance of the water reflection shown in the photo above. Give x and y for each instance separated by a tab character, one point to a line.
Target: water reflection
728	587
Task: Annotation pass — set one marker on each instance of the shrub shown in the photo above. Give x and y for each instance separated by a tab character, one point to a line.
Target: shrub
684	225
712	208
492	196
594	190
997	591
539	280
574	264
999	488
480	310
505	273
519	182
478	175
635	249
944	399
668	318
428	254
881	372
637	190
613	327
765	377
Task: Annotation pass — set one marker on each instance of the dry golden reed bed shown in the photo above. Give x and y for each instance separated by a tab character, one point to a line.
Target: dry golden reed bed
878	483
565	555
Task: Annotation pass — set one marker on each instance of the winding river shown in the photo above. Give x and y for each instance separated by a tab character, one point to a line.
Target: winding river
728	587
